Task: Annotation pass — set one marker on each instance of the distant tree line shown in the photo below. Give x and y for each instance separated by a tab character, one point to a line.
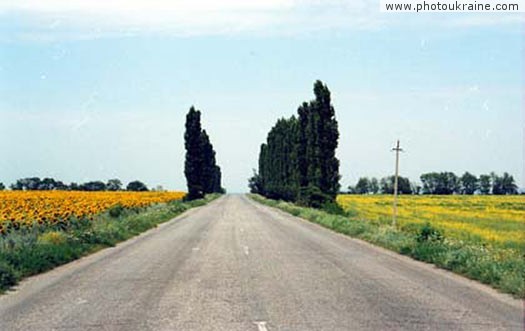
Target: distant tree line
440	183
202	173
385	185
50	184
297	162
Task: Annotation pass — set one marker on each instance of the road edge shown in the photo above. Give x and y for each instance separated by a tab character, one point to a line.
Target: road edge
50	277
500	296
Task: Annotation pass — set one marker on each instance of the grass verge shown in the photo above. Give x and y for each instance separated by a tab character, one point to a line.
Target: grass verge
30	251
503	269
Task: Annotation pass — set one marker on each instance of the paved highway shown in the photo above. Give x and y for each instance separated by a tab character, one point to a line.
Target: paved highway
237	265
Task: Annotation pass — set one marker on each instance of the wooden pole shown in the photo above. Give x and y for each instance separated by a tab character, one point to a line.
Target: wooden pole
397	149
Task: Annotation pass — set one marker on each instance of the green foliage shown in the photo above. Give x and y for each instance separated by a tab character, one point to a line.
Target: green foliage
278	171
429	233
297	162
93	186
211	172
484	184
116	211
374	186
362	186
35	183
449	183
504	184
386	186
255	183
47	184
312	196
322	135
333	208
403	185
7	276
194	159
202	173
440	183
136	186
114	185
469	183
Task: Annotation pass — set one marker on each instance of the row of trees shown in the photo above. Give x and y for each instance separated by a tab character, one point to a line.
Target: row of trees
297	162
449	183
202	173
367	185
440	183
49	184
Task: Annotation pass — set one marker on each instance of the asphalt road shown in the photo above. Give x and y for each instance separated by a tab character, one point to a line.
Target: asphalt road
237	265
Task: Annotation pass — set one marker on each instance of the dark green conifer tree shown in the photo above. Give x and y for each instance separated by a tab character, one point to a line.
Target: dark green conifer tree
193	165
298	162
318	139
208	166
202	173
328	136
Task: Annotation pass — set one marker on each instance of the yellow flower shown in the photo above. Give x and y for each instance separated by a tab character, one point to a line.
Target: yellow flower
26	207
498	220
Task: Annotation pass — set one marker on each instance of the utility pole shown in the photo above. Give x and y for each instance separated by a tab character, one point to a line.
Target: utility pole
397	149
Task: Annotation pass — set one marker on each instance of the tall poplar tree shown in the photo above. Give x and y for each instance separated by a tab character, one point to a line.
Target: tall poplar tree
193	164
327	140
318	139
208	165
297	162
202	173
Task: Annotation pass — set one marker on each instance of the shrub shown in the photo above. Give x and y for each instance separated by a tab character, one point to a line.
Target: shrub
332	207
116	211
7	276
429	233
312	196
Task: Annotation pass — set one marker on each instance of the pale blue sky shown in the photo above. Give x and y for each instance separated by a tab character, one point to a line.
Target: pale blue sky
96	90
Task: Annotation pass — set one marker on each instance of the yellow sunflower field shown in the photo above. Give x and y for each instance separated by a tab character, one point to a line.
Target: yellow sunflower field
24	208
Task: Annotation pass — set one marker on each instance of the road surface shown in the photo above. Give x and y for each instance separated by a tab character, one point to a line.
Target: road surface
237	265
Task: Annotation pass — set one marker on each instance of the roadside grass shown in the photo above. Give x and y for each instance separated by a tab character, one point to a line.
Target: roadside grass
29	251
496	265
